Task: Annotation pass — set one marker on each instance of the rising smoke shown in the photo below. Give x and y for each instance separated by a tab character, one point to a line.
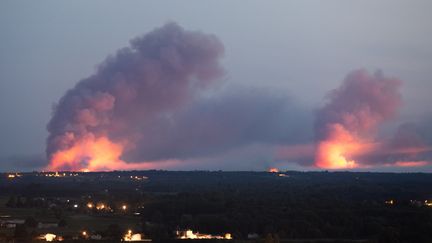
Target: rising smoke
100	118
410	145
149	104
232	118
346	126
146	104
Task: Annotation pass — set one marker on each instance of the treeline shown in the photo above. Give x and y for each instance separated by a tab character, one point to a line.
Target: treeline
312	205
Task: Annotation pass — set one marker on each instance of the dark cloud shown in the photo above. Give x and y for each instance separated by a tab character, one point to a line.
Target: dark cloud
360	103
228	120
411	144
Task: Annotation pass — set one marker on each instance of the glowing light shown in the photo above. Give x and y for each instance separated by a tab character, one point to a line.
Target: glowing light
273	170
48	237
98	154
190	235
56	174
348	123
390	202
90	205
124	207
335	151
132	237
13	176
88	154
332	156
411	163
100	206
139	178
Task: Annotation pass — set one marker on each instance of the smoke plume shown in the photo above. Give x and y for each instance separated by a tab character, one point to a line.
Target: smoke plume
230	119
149	104
411	145
346	126
101	117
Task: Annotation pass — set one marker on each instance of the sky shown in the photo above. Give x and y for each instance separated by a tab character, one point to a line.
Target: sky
280	59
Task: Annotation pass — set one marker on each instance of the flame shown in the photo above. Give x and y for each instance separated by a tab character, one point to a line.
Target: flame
273	170
89	154
347	125
336	154
98	154
331	155
338	150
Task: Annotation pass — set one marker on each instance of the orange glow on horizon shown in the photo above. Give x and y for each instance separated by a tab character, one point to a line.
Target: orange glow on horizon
335	152
273	170
335	155
338	151
332	155
89	154
411	163
98	154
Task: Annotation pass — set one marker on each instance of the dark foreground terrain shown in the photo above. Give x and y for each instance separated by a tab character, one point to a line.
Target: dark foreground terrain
250	206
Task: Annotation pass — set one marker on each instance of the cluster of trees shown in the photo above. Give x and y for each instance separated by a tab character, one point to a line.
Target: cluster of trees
304	205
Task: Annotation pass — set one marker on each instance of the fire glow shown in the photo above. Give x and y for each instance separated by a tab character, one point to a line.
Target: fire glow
190	235
90	154
101	118
346	126
109	118
273	170
99	154
333	153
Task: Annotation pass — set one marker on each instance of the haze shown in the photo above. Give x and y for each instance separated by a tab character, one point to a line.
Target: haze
286	55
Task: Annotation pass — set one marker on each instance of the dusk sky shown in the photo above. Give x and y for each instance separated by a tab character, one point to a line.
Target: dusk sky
304	85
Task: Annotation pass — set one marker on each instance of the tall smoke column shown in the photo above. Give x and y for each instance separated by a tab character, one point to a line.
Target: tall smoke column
100	118
347	124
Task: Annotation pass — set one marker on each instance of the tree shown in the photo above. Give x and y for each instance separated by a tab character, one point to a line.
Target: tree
20	231
11	203
157	217
389	234
58	212
276	238
114	231
269	238
19	203
62	223
31	222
